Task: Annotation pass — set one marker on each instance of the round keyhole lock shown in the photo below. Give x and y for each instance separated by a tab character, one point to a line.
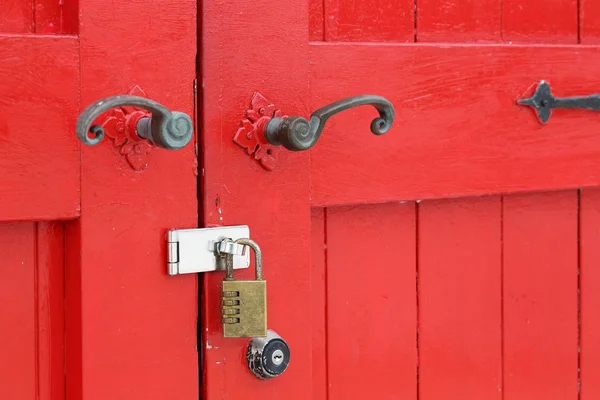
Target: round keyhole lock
268	357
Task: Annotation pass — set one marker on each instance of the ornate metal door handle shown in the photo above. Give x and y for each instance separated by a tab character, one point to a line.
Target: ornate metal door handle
543	102
297	133
170	130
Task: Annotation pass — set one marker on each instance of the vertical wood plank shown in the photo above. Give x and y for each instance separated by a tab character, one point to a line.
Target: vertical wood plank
138	325
589	19
56	16
371	302
316	20
51	312
48	18
540	296
18	299
237	190
369	21
460	337
459	21
319	304
589	279
16	16
540	21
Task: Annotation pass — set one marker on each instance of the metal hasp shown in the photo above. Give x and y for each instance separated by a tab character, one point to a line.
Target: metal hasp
171	130
203	250
543	102
297	133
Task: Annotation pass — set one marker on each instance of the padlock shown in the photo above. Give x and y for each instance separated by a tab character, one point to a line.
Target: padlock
244	303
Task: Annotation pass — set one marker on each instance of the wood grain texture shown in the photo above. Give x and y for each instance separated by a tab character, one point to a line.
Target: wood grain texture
371	302
316	21
237	190
589	278
50	260
460	303
369	21
32	312
318	299
589	21
547	21
16	16
459	21
137	326
540	296
39	152
18	377
458	130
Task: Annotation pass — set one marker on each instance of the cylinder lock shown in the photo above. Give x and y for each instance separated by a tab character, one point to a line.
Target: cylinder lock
268	357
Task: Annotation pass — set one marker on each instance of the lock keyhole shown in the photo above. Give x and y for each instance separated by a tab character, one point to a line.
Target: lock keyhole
277	357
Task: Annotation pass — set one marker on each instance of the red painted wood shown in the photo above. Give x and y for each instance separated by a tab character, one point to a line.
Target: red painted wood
589	279
51	310
236	60
460	337
369	21
48	16
547	21
459	21
540	233
31	290
589	16
316	20
451	136
371	302
16	16
18	346
39	156
318	290
137	326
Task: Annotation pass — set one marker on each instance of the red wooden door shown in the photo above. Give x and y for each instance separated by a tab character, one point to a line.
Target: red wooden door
88	311
452	258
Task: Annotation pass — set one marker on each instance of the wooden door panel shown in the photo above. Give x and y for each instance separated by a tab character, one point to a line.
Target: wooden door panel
137	324
32	318
368	20
496	307
371	301
459	21
39	152
547	21
460	298
540	295
236	190
589	286
458	129
589	27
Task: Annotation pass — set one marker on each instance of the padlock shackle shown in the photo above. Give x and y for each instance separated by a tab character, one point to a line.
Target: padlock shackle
257	256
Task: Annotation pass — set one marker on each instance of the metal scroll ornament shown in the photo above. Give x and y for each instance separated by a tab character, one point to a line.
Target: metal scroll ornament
265	128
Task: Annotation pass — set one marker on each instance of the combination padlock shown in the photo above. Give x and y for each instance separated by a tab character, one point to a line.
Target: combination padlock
244	303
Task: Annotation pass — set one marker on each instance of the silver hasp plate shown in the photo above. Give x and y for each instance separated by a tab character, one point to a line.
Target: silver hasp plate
195	250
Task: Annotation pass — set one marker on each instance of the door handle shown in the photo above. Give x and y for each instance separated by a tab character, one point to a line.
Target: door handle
543	101
297	133
171	130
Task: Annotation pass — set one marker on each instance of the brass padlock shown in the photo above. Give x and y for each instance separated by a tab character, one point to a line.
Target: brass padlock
244	303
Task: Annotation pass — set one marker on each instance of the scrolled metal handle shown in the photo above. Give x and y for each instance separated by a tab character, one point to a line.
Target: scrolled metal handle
297	133
169	130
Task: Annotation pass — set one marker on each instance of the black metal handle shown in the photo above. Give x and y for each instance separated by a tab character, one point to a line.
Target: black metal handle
169	130
297	133
543	101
